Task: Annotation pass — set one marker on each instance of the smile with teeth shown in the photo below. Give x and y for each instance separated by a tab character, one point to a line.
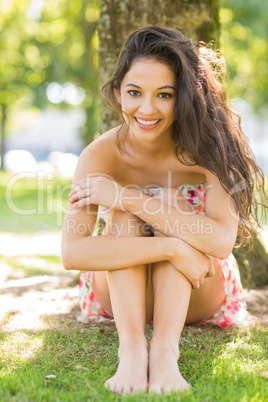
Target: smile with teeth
147	122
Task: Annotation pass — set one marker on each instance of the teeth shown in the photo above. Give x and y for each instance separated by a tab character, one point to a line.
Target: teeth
147	122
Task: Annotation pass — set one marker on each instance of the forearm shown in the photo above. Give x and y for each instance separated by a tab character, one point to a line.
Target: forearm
200	231
107	253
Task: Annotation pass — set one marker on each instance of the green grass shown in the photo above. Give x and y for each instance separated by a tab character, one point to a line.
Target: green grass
32	204
220	365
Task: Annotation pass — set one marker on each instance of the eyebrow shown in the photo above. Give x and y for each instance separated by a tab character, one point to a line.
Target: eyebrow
164	87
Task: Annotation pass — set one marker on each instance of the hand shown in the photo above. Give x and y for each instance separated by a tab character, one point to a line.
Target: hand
193	264
98	191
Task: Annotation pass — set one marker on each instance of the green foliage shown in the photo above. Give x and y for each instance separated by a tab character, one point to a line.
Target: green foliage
244	44
60	45
16	75
66	37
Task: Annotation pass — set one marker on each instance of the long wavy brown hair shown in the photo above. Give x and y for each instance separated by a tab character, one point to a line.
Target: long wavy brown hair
206	131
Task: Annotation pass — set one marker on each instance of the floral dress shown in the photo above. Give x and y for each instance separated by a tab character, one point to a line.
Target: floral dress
233	310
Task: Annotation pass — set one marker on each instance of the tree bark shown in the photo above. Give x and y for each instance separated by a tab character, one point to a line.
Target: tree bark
253	265
197	19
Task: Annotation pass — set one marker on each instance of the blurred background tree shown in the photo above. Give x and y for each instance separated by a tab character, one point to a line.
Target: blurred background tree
45	42
49	42
56	42
245	47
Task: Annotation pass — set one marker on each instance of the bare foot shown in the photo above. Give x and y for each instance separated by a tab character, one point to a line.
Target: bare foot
132	372
164	373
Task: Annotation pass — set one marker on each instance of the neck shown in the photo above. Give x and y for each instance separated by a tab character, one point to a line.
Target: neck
158	149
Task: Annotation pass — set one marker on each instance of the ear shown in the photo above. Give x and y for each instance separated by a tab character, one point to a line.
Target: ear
118	95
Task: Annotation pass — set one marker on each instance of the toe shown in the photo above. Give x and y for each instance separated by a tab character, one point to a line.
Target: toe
117	390
107	385
167	390
155	389
126	390
139	388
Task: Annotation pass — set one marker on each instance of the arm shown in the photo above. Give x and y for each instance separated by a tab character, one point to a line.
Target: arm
213	233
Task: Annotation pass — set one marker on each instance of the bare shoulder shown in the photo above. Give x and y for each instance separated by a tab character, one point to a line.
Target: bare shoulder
99	157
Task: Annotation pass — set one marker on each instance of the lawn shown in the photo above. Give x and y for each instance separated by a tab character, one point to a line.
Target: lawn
30	204
220	365
39	334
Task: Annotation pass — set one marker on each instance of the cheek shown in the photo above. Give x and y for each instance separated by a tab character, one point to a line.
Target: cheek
169	112
129	105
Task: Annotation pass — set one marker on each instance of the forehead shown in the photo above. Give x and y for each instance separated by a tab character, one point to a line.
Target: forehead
149	71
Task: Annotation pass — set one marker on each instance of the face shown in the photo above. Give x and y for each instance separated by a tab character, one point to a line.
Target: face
147	95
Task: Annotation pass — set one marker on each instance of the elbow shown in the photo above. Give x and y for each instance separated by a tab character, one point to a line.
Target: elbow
224	250
66	265
223	254
67	257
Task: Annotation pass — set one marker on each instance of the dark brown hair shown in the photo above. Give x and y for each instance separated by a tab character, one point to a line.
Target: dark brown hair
206	131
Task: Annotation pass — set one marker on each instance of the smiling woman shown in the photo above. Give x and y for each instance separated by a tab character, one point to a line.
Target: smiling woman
155	207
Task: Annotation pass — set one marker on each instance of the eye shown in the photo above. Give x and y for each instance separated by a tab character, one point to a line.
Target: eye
164	95
134	93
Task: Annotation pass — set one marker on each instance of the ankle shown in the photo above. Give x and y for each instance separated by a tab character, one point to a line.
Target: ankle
132	341
165	345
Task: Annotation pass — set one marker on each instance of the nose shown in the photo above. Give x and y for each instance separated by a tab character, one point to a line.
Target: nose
147	106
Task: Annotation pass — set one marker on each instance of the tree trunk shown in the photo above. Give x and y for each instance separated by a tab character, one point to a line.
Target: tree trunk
197	19
253	265
3	132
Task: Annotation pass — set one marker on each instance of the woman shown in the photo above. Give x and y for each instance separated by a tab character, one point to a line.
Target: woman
174	185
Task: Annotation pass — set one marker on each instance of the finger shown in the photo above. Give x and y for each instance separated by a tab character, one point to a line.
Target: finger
82	203
211	270
80	195
75	190
201	280
195	285
79	183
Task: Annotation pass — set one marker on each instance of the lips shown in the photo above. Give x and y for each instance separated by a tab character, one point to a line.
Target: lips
147	123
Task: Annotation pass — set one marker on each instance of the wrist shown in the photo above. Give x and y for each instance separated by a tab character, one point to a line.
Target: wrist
174	247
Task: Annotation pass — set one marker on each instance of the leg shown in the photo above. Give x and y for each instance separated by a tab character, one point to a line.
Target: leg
172	293
127	294
174	304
